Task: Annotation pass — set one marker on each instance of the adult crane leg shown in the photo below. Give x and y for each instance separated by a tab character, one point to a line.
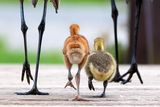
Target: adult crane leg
24	28
134	69
114	17
41	28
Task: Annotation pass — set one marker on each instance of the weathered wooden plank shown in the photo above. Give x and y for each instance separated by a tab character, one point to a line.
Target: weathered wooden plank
52	79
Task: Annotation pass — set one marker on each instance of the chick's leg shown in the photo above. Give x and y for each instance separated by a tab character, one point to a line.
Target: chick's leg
70	77
77	78
104	90
134	69
69	83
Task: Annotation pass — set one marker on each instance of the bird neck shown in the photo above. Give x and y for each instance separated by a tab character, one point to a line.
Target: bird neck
99	46
74	32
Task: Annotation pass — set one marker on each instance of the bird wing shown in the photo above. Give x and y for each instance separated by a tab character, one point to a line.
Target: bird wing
55	4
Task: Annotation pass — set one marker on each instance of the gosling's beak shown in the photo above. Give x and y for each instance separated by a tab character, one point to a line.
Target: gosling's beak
55	4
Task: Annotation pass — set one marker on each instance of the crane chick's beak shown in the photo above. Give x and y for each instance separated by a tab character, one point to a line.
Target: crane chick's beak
55	4
99	44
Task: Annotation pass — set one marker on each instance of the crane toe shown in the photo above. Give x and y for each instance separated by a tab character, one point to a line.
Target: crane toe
26	69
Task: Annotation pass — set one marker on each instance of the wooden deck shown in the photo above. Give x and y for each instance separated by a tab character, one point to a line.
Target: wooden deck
52	79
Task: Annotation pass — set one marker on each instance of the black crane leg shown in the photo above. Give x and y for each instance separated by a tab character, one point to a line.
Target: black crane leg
114	16
26	65
41	29
134	69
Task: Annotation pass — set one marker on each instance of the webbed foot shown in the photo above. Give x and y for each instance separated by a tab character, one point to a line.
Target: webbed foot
90	85
100	96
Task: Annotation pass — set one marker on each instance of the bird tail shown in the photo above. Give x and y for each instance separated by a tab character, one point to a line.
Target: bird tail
75	55
55	4
76	50
34	2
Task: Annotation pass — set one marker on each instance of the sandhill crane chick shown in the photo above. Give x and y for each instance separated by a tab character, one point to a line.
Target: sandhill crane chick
100	65
75	51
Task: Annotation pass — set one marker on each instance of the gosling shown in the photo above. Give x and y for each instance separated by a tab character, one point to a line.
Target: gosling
100	66
75	51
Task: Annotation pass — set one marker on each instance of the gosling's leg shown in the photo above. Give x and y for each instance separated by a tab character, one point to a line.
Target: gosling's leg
114	17
134	69
103	93
41	28
90	85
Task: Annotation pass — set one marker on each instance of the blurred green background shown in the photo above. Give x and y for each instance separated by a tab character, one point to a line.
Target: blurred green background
54	55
